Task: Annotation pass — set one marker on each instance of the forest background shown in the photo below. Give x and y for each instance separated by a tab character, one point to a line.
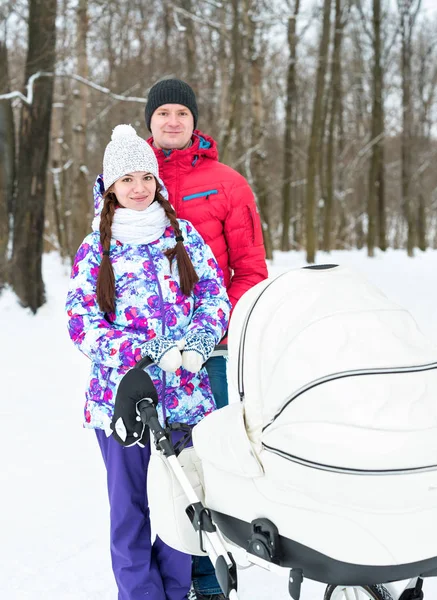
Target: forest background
327	107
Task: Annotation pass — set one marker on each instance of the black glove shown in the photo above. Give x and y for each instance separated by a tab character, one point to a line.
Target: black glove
126	424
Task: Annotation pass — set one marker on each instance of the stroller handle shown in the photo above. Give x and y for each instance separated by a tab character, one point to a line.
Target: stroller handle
219	350
144	362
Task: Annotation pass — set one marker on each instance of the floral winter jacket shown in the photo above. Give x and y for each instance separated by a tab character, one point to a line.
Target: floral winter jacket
149	302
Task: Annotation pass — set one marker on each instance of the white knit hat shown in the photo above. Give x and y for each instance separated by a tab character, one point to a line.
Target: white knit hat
127	153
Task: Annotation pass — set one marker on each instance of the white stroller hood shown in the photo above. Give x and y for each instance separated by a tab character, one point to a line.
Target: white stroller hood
325	350
335	440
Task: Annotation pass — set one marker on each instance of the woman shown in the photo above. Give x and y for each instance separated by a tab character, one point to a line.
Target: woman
143	284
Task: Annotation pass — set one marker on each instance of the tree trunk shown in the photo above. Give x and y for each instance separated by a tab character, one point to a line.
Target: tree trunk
60	145
408	13
166	30
376	196
340	225
321	176
224	78
7	164
406	147
81	203
258	161
56	169
316	134
333	116
287	194
426	88
26	275
190	43
421	224
236	86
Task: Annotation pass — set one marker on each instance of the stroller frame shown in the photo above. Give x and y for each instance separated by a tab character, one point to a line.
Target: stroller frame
264	542
200	517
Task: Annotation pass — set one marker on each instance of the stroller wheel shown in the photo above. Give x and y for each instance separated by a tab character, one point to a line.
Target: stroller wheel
365	592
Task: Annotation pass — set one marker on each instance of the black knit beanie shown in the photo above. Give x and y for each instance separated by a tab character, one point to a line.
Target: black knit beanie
171	91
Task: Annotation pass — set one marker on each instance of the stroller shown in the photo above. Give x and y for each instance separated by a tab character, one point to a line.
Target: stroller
329	460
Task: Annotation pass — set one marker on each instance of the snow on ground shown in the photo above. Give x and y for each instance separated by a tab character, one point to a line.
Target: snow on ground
53	506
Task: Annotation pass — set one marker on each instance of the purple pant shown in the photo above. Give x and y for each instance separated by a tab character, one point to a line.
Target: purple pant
142	570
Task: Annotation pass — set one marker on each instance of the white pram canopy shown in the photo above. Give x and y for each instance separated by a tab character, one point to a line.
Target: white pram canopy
333	372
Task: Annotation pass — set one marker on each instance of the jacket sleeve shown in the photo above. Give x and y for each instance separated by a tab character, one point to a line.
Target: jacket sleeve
211	302
90	331
244	238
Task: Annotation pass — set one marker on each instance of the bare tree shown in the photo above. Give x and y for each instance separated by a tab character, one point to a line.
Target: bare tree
287	192
426	91
408	11
26	276
190	42
167	30
342	8
316	133
236	87
60	136
80	199
7	163
256	53
376	191
223	74
57	171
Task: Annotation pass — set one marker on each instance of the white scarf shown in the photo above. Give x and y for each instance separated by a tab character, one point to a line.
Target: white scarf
137	226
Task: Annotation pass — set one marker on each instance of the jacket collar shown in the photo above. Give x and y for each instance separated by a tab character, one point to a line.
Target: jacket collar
202	146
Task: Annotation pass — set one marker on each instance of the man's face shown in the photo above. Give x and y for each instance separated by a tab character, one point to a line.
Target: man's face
172	126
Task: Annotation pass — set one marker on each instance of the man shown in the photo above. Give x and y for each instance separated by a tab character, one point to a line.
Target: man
211	195
219	203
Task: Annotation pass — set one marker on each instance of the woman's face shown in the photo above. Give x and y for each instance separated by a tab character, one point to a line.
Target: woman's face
135	190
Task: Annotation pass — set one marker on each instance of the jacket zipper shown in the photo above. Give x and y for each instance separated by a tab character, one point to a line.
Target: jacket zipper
252	222
161	304
347	471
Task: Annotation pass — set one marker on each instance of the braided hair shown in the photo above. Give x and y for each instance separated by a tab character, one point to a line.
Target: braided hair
106	281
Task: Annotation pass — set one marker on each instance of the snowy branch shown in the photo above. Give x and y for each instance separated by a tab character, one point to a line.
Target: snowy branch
424	165
110	105
196	19
214	4
58	170
247	155
352	166
279	17
177	23
28	99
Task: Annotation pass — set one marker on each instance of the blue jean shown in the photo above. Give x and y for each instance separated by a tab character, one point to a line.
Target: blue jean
203	573
216	367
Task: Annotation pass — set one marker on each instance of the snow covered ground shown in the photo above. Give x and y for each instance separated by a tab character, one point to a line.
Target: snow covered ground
53	506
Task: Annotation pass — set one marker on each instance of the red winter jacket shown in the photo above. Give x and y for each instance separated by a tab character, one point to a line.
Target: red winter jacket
220	204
